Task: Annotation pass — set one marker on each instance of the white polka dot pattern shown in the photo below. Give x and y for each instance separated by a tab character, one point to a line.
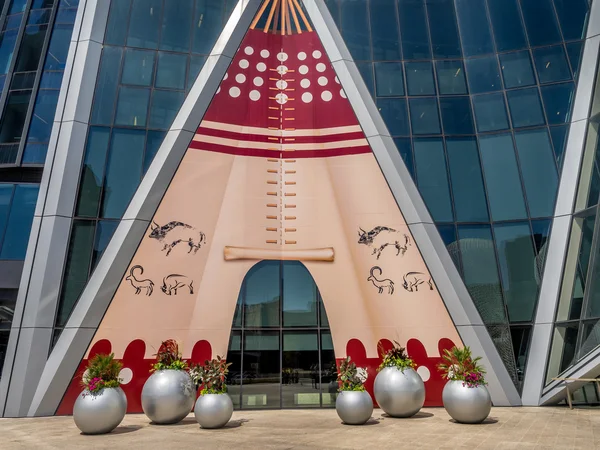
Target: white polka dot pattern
258	81
317	54
321	67
301	56
282	56
248	51
244	64
254	95
326	96
240	78
235	92
305	83
323	81
307	97
261	67
303	69
265	53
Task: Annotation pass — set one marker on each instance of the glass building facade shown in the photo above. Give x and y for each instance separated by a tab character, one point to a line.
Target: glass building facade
477	96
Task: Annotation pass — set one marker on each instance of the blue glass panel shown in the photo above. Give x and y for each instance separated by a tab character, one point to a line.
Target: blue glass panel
144	25
490	112
541	232
558	99
13	22
413	28
118	19
106	86
176	22
171	71
366	70
13	120
517	267
43	116
538	169
448	235
262	286
456	115
196	64
19	222
432	178
355	29
334	9
572	15
451	77
424	116
384	30
551	64
207	25
540	22
480	271
508	28
123	171
443	29
574	50
35	153
559	139
138	67
165	106
474	27
6	195
50	80
299	298
153	142
17	6
104	232
525	108
90	186
30	50
132	107
517	69
405	149
56	57
419	78
393	111
502	177
483	75
467	181
7	48
390	80
39	17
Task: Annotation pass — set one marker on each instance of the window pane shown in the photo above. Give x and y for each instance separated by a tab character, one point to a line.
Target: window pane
517	266
176	22
572	15
551	64
329	384
138	67
520	340
443	29
123	171
355	29
467	180
262	290
539	171
393	112
43	116
506	21
481	272
7	48
525	108
474	27
165	106
106	86
30	49
490	112
208	23
502	177
366	71
540	21
390	82
559	139
262	360
299	297
92	174
384	30
593	306
456	115
116	29
405	149
234	377
590	338
132	107
432	178
558	99
424	116
483	75
574	53
196	64
300	369
419	78
153	142
448	235
413	27
144	25
104	232
56	57
6	194
18	227
14	116
451	77
171	71
516	69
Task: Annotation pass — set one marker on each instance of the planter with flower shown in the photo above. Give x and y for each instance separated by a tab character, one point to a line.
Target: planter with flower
398	388
353	404
168	394
214	407
465	396
101	406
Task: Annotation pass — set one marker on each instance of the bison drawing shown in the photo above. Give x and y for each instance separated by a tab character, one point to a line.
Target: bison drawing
412	281
381	237
381	284
174	233
172	283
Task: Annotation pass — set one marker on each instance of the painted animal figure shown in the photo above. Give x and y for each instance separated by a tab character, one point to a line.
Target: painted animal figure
381	237
381	284
140	284
173	282
174	233
412	281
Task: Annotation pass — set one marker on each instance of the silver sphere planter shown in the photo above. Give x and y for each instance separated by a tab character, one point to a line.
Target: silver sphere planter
101	412
400	393
213	410
466	404
168	396
354	407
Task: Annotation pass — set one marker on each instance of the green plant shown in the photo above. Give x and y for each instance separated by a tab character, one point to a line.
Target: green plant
169	357
459	365
102	372
211	376
395	357
348	378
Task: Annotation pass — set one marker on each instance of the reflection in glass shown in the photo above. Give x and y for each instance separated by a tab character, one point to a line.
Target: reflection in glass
132	107
483	74
405	149
144	25
355	29
90	186
19	222
384	30
474	28
551	64
451	77
390	82
116	29
443	29
558	99
329	384
540	22
176	21
424	116
572	15
456	115
574	50
165	106
104	232
300	369
394	114
171	71
490	112
413	28
106	86
507	24
517	69
138	67
261	375
525	108
299	296
419	78
234	377
590	338
262	296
